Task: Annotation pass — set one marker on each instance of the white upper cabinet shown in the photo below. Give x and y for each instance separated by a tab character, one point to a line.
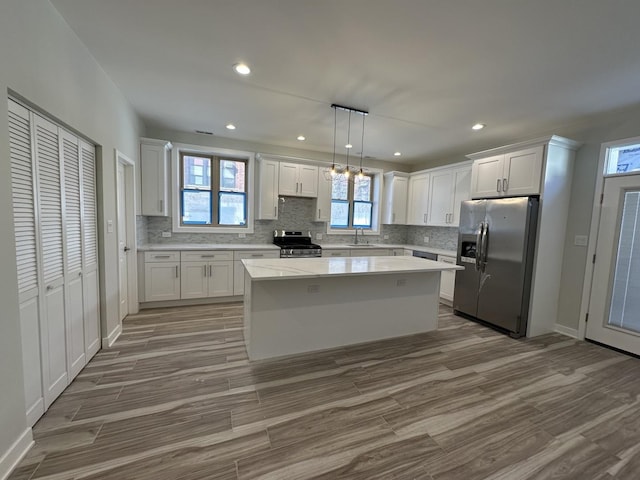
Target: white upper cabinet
418	199
267	183
154	177
298	180
447	189
394	207
509	174
323	202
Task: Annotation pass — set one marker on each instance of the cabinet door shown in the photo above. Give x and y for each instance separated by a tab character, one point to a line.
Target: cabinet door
161	281
194	279
220	279
398	252
323	202
486	177
288	179
91	297
440	197
522	172
461	192
267	190
153	176
447	279
417	200
308	181
399	201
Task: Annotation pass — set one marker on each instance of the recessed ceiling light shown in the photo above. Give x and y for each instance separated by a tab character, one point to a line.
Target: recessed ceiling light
242	68
348	145
302	138
478	126
231	126
397	154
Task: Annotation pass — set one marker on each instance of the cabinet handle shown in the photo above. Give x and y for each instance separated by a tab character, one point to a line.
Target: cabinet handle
275	211
336	254
393	217
257	255
177	274
79	274
160	206
505	185
319	212
207	256
162	256
424	218
209	270
204	270
296	187
498	186
300	187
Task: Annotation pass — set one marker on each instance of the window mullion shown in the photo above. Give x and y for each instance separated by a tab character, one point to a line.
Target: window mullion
215	189
350	197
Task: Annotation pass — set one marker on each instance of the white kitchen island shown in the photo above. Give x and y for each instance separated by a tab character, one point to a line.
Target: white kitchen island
295	305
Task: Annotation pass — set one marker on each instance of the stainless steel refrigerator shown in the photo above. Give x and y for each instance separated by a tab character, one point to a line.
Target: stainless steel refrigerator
496	246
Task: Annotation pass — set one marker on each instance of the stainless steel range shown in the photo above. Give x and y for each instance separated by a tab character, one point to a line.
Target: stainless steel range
295	244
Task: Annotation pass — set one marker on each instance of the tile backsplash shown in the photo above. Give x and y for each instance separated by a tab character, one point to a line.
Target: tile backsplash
295	214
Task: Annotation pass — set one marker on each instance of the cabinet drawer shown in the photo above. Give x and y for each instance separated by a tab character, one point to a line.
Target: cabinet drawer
370	252
206	255
161	256
255	254
336	253
445	259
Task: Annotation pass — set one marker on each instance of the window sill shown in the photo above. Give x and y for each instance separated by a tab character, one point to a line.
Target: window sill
367	232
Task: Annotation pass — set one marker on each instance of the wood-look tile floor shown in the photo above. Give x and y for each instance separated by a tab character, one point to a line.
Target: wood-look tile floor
176	398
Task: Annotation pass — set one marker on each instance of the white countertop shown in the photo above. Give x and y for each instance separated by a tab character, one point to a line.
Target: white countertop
288	268
153	247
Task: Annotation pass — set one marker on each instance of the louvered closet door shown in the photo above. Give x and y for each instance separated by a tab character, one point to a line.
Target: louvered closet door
47	153
73	258
24	217
90	249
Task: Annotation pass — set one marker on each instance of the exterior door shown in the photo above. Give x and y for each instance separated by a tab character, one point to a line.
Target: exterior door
503	262
123	268
614	306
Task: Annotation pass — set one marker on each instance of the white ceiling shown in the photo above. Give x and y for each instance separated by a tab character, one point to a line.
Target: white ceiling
426	70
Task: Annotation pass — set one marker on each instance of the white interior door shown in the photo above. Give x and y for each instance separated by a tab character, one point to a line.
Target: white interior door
614	307
123	268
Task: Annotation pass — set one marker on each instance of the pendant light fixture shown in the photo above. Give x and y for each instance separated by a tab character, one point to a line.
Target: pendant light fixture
347	171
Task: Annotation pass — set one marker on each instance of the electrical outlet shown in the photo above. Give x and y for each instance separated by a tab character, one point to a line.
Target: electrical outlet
166	234
386	237
242	235
313	288
426	239
401	282
318	236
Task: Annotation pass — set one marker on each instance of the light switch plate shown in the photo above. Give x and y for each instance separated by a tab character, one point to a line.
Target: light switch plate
166	234
109	226
581	240
242	235
386	237
318	236
426	239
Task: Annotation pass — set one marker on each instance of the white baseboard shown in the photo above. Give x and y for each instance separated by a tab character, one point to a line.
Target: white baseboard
571	332
113	336
16	452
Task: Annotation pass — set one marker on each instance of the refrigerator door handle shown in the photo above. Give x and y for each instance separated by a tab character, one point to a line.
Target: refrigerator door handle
485	232
479	245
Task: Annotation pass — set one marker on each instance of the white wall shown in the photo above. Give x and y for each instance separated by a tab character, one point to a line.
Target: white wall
43	61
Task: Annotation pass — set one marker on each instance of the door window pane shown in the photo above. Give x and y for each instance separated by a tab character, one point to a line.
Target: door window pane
623	159
625	301
232	208
196	207
339	214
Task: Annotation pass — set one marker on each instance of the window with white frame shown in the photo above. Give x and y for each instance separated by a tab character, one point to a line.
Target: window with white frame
623	158
213	190
352	202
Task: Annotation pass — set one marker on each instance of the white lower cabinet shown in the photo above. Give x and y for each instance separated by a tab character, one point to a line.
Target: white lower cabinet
238	268
220	279
397	252
161	281
447	279
206	279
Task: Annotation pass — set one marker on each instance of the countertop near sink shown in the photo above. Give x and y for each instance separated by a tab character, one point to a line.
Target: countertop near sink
206	246
153	247
421	248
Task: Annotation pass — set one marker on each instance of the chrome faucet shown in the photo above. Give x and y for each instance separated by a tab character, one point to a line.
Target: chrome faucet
361	234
